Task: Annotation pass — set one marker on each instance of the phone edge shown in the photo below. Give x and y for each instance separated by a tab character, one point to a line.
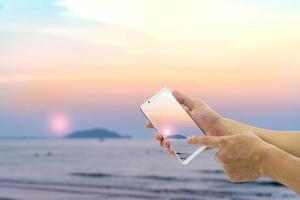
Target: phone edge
195	153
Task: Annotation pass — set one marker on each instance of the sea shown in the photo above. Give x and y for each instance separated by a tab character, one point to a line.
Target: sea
72	169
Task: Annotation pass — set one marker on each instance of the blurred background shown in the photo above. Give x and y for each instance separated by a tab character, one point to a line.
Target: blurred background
69	65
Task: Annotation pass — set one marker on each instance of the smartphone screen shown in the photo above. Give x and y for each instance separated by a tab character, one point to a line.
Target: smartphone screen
174	123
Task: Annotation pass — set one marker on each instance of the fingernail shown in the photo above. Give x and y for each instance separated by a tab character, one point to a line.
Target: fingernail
190	139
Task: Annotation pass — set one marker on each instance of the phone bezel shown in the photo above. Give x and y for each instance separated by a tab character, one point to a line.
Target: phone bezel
165	89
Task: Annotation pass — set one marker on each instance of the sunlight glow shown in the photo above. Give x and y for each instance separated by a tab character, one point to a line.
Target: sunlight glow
59	124
167	132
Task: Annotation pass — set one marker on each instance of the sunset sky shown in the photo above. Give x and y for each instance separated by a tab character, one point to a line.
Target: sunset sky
74	64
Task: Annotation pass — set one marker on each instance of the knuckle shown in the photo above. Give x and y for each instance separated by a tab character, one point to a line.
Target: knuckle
192	138
229	173
204	139
223	157
199	140
232	178
223	142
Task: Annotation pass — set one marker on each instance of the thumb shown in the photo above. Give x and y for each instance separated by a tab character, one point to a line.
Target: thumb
209	141
183	99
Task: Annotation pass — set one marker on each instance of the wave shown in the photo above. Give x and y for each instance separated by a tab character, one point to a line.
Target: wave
181	179
213	193
152	193
93	175
72	191
255	183
143	177
5	198
132	190
166	178
210	171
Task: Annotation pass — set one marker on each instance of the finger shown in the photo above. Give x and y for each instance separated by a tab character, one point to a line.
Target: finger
161	142
158	136
208	148
217	157
171	152
183	99
166	143
149	125
187	110
210	141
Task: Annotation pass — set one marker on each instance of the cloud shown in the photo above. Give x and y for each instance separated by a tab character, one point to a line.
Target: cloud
190	32
31	15
170	33
190	20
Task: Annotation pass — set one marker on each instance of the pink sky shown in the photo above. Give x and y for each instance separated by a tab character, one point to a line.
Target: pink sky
95	66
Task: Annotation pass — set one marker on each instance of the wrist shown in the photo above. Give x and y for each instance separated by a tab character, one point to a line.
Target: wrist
226	127
269	157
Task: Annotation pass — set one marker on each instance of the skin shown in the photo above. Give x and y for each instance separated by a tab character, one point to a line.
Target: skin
246	157
288	141
246	152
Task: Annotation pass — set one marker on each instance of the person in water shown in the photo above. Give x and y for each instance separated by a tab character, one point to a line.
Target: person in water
246	152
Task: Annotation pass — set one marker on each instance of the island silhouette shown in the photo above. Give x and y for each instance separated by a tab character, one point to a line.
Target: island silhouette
175	137
99	133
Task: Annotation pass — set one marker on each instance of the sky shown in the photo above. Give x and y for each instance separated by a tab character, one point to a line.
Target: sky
67	65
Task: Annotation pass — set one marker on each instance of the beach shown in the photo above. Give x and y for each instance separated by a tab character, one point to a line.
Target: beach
117	169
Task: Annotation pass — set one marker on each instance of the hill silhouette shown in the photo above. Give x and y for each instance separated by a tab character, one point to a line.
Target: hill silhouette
176	137
99	133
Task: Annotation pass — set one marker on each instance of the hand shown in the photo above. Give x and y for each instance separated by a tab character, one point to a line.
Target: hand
242	155
205	117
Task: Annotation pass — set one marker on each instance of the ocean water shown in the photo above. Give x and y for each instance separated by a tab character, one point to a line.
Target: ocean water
117	169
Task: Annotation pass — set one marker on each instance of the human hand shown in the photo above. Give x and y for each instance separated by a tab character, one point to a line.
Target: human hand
242	155
205	117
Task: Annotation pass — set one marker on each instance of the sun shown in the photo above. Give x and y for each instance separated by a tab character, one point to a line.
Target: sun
59	124
167	132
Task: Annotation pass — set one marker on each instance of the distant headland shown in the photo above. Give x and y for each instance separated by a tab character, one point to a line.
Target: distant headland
98	133
176	137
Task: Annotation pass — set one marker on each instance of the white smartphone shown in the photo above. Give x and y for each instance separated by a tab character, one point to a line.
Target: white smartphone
174	123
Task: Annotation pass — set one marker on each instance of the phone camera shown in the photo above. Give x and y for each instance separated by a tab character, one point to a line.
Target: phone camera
148	101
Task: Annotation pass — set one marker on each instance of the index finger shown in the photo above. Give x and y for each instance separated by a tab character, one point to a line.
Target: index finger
209	141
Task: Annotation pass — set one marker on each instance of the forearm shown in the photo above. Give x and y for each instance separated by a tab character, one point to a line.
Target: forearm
288	141
281	166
